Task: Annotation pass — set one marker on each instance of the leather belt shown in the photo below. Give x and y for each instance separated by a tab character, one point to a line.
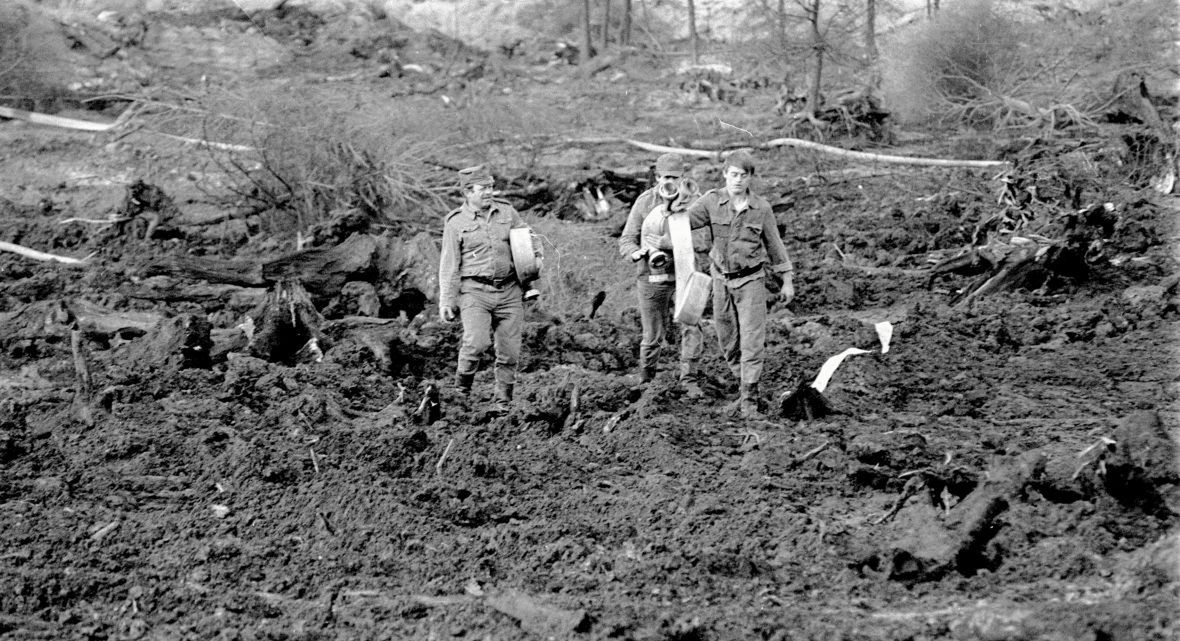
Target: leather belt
491	282
742	273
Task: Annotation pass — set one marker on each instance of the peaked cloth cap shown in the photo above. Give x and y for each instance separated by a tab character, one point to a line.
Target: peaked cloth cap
669	165
476	175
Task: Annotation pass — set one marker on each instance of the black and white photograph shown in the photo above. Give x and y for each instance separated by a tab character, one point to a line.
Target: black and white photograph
589	320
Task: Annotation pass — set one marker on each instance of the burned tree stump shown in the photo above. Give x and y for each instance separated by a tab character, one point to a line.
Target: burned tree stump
288	327
173	344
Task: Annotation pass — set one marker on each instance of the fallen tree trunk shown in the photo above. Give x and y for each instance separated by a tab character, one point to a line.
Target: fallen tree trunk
324	270
229	272
804	144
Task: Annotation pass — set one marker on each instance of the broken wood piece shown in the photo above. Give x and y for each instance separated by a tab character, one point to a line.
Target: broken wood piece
442	459
104	530
61	121
83	385
926	545
810	454
95	221
40	255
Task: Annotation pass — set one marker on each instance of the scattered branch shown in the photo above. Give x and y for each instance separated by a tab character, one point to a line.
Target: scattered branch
40	255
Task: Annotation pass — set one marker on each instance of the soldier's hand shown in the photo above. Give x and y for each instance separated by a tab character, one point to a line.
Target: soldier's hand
788	291
449	314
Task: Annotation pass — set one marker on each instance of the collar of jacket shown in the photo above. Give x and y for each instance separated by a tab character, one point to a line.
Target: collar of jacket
475	213
755	200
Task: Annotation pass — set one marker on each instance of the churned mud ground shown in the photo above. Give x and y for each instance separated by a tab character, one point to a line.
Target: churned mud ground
1006	470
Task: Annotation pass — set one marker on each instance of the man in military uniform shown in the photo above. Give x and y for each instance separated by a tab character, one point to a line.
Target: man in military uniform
477	283
748	259
656	279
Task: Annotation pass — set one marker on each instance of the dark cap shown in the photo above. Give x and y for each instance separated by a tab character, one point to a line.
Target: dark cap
476	175
740	159
670	165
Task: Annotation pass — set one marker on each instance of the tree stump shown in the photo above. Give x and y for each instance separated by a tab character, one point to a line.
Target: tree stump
286	325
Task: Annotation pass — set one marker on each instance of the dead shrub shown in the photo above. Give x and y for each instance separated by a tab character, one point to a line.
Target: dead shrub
317	150
990	65
314	153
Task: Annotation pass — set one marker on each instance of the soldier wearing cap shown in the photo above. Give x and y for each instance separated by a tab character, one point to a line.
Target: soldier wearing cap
477	283
748	260
643	239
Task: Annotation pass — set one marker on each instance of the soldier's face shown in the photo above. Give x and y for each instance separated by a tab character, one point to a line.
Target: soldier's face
479	196
737	180
663	179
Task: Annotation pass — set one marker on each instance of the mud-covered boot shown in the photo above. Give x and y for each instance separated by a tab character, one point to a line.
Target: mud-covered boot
644	376
688	381
502	402
748	401
463	383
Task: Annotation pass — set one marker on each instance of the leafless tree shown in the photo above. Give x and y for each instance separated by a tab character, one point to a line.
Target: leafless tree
871	52
605	25
625	27
587	41
811	10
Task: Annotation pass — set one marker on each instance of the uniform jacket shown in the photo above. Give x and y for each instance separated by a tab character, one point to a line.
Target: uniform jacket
475	243
741	241
630	240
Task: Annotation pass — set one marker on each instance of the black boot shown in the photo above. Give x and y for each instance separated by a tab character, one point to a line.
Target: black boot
503	398
748	401
689	382
463	383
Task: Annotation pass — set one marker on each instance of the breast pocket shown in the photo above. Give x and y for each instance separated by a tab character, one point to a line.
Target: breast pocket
470	240
498	230
752	232
721	224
